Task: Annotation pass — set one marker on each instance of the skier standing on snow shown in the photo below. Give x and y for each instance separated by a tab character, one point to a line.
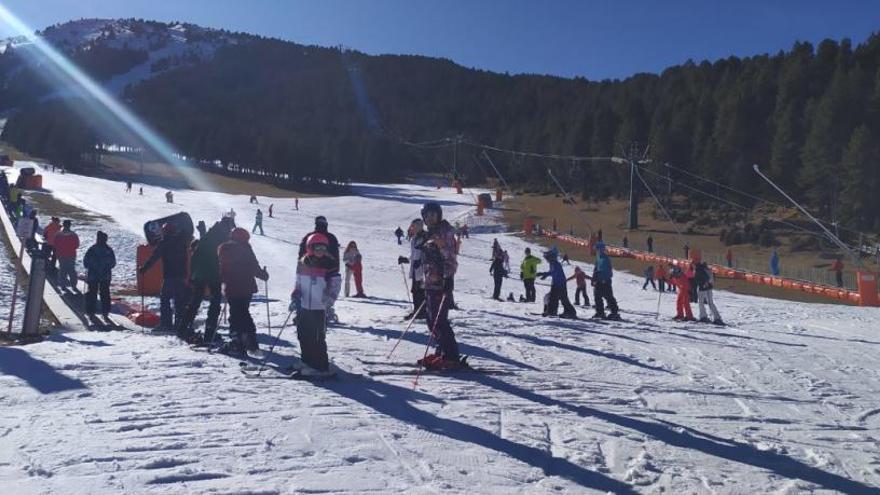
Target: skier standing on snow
271	207
99	262
27	228
314	277
172	250
66	244
704	279
258	222
682	280
205	275
398	232
238	268
496	250
649	278
660	275
528	270
439	263
465	232
417	238
49	234
558	289
602	290
353	266
498	273
650	243
580	279
333	253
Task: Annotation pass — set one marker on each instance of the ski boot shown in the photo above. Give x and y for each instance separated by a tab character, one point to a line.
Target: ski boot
705	319
613	316
568	315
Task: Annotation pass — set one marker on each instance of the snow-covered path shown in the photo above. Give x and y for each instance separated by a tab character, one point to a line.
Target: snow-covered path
783	400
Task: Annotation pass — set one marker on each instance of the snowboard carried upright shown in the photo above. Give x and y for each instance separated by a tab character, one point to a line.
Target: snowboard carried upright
182	222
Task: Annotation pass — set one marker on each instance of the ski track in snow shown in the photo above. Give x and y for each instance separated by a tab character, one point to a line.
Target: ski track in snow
783	400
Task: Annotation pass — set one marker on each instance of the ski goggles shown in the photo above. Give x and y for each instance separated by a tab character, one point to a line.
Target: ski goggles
319	248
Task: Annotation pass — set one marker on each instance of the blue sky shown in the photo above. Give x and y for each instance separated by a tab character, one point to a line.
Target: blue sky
597	40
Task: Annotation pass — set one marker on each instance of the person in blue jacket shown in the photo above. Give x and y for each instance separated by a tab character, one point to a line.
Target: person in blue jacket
774	263
558	289
99	262
602	291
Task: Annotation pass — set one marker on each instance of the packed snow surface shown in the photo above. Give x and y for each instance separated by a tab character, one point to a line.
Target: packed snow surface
784	400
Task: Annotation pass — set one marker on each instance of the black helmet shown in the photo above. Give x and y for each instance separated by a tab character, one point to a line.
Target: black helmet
432	206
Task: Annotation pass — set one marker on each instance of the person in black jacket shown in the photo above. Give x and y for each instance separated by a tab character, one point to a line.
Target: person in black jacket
172	250
99	262
498	273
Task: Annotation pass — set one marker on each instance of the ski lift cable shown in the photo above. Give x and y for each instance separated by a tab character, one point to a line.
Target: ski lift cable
662	208
568	197
488	159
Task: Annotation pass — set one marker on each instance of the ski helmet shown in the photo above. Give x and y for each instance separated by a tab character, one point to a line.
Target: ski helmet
552	253
240	235
432	206
314	240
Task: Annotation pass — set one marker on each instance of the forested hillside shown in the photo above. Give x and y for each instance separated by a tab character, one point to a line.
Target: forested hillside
810	116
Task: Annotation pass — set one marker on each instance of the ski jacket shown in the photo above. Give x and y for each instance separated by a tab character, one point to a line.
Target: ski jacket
649	272
497	268
332	247
238	267
529	267
27	228
580	277
259	216
172	250
51	231
438	256
556	274
416	271
398	232
602	270
703	278
204	264
313	282
66	244
352	258
660	273
99	262
682	280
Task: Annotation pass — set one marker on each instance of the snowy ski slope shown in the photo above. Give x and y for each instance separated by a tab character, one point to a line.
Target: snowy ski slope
784	400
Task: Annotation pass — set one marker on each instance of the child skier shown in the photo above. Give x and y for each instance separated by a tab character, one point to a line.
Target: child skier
314	273
682	281
353	266
581	281
238	267
558	290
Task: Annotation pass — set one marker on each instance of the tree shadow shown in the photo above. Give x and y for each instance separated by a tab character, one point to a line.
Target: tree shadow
397	402
685	437
568	347
38	374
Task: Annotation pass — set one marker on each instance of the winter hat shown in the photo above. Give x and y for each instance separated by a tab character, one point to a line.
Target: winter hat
66	223
102	237
432	206
528	251
240	235
314	240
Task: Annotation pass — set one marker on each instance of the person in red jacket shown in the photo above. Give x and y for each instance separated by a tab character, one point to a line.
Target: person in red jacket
682	280
837	268
49	234
238	267
581	281
660	275
66	244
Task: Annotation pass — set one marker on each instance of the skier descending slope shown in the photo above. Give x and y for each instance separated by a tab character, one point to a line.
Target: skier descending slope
439	264
238	267
335	279
314	275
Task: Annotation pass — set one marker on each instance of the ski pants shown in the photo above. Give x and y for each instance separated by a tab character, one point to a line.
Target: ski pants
693	293
241	324
358	273
450	292
173	290
683	305
603	292
499	279
184	325
559	294
705	296
418	297
661	284
67	272
529	284
649	281
258	225
581	290
438	324
838	277
311	331
96	287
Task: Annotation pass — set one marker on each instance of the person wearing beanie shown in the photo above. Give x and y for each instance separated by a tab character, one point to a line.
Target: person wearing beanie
99	262
238	269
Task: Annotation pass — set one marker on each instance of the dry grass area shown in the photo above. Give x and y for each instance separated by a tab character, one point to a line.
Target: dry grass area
611	216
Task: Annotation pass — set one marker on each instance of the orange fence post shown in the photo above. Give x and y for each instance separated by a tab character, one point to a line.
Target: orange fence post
867	283
150	282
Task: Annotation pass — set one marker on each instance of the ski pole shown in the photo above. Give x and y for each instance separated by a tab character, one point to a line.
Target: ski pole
268	320
272	347
411	320
659	295
405	283
430	339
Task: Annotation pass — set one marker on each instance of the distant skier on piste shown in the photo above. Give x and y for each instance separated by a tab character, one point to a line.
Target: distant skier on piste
602	290
315	272
238	268
398	232
439	264
335	281
258	222
558	288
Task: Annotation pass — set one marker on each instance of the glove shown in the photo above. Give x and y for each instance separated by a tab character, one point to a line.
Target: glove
263	275
402	260
294	301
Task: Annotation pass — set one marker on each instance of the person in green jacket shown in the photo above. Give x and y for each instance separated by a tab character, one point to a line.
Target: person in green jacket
528	272
204	275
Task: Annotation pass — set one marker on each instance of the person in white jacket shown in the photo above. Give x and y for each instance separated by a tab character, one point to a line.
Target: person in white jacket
309	299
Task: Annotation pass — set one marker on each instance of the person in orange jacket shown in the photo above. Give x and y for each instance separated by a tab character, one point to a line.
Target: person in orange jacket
66	243
660	275
49	234
682	280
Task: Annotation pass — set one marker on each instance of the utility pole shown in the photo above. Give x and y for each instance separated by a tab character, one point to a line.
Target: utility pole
633	193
